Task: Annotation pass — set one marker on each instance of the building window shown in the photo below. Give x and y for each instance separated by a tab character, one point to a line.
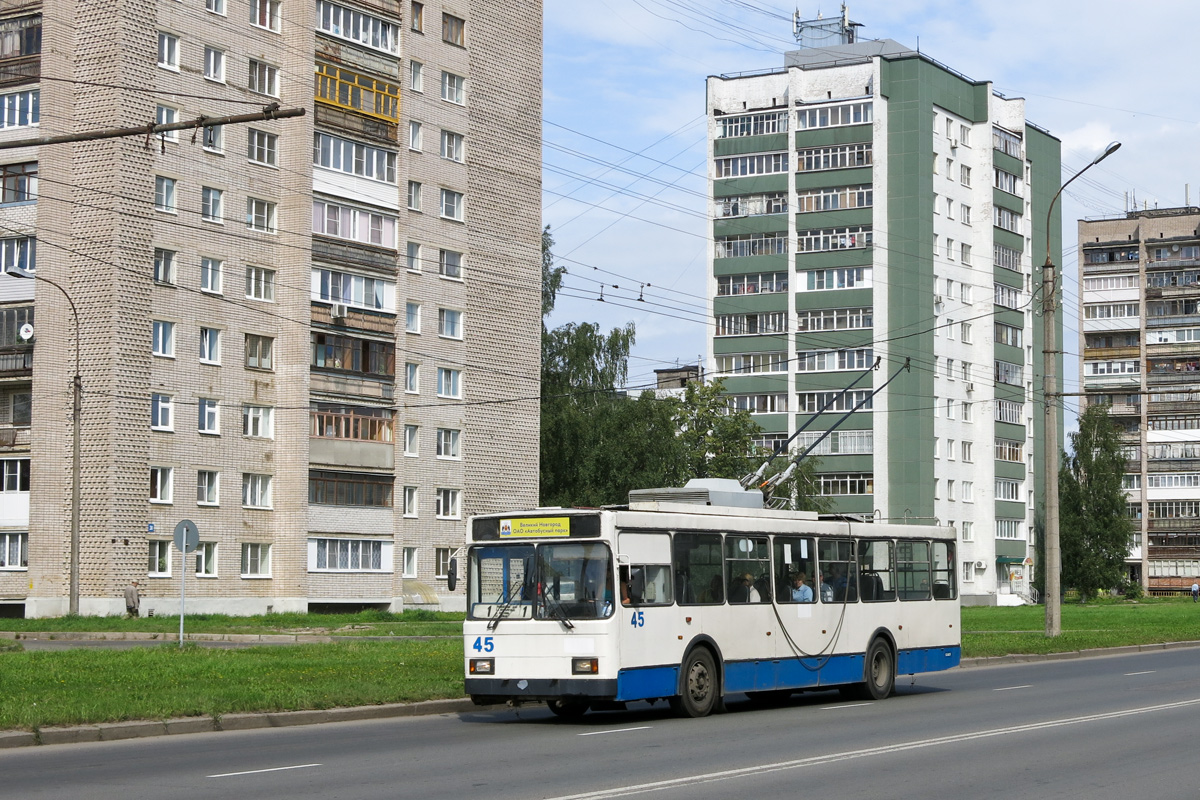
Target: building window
452	146
836	484
850	238
164	266
214	64
454	88
410	503
834	360
258	422
258	351
1008	490
359	291
168	51
751	324
412	317
452	30
414	196
260	215
160	412
446	506
968	570
18	183
214	138
167	115
256	560
964	332
1012	374
208	485
18	255
327	488
752	125
412	373
260	284
1006	220
264	78
263	147
746	363
835	198
452	205
256	490
160	484
964	213
450	323
355	158
410	561
349	555
1009	529
20	109
761	283
450	264
14	550
414	135
416	76
740	166
265	14
347	354
209	416
160	560
356	26
966	258
210	204
412	442
441	555
447	443
164	194
164	338
14	475
412	257
359	225
215	6
449	383
418	17
210	346
22	407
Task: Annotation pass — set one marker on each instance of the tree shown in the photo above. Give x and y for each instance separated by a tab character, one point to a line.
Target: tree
1094	529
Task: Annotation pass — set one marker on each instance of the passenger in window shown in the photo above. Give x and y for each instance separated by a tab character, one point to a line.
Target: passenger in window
744	591
625	600
715	593
801	591
826	590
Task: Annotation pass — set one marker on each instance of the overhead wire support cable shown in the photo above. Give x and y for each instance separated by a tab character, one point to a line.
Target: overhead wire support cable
272	111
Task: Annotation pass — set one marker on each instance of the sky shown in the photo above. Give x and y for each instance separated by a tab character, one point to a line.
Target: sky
624	175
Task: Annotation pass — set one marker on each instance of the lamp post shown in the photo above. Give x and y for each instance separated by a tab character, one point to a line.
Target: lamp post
1050	396
77	392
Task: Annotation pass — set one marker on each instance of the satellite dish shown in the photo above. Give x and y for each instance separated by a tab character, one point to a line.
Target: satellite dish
26	331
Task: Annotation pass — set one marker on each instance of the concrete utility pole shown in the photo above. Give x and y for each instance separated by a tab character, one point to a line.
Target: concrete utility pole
1050	398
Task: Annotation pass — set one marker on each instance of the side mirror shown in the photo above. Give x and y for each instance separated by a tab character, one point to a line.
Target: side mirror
452	575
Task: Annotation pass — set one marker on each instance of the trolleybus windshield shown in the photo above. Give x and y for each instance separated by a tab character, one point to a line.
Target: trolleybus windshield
556	581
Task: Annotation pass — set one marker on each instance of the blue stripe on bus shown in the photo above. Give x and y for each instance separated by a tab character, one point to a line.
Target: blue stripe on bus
792	673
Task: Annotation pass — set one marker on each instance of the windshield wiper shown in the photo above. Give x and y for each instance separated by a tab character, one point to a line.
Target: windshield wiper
504	610
557	610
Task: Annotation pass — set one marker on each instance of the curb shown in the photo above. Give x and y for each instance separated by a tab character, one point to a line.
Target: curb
142	729
996	661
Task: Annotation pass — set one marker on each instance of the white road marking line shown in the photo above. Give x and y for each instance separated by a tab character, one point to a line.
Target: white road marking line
1010	688
845	705
616	730
256	771
712	777
1146	672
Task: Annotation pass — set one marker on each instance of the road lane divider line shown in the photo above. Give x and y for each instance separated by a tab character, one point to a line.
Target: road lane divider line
845	705
899	747
1010	688
257	771
1144	672
616	730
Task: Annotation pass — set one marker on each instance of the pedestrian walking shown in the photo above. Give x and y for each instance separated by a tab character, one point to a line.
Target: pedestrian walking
1195	591
133	600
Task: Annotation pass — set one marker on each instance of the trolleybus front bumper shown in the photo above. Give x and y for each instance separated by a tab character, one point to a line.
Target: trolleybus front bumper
487	691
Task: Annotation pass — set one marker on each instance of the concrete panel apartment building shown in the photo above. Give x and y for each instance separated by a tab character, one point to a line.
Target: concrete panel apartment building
289	330
1140	339
869	202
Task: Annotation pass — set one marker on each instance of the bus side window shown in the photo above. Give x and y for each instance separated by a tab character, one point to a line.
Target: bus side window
795	570
877	582
912	570
646	585
699	568
943	571
838	571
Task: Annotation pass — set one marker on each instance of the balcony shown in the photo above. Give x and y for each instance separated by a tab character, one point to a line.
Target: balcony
375	322
1174	525
340	251
356	124
1111	352
16	362
22	69
1165	377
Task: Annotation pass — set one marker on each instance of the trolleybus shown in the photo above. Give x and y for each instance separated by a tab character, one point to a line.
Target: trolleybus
689	595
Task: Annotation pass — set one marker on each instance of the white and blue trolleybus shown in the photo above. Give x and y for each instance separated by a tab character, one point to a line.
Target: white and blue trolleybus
688	595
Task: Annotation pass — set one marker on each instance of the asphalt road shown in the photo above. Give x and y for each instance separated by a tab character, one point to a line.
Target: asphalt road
1120	726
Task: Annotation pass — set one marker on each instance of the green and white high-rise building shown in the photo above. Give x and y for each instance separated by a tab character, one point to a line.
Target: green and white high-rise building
870	203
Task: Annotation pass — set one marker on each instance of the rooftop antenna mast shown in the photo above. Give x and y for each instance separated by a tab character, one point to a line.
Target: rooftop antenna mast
821	32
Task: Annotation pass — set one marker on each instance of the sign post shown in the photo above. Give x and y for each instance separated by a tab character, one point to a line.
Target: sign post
187	537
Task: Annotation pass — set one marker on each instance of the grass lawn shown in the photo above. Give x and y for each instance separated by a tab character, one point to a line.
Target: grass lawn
67	687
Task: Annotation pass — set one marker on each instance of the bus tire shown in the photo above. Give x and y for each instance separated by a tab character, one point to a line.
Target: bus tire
879	671
701	685
568	709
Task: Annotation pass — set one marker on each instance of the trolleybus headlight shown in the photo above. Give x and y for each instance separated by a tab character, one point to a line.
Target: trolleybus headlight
483	666
585	666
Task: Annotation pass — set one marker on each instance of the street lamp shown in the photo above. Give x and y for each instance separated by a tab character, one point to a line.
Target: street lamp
1050	396
77	391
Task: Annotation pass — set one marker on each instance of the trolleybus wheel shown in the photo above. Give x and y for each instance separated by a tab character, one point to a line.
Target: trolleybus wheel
568	709
701	685
880	673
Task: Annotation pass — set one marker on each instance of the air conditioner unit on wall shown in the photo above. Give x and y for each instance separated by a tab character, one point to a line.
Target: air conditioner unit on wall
980	565
970	388
338	311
